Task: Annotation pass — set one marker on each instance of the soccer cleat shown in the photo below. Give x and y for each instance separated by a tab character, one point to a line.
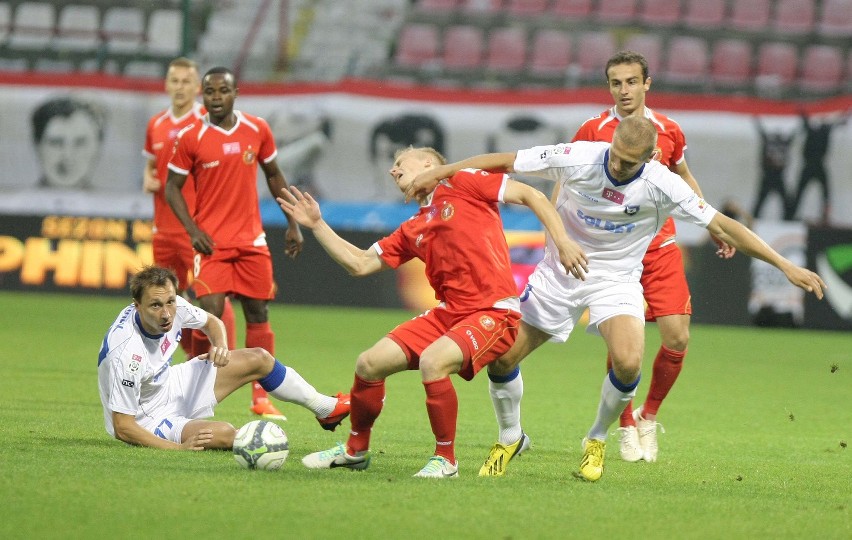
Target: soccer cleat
501	455
629	446
438	467
340	412
266	409
336	457
592	466
647	430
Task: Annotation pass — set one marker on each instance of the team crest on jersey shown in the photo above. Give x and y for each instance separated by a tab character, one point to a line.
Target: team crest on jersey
487	323
658	154
231	148
249	156
447	211
631	209
132	365
418	240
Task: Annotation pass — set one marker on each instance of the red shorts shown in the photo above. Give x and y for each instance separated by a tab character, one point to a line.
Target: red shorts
664	280
483	336
244	271
174	251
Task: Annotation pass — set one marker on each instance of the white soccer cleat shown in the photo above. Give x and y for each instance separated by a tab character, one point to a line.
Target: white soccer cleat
647	430
336	457
629	446
438	467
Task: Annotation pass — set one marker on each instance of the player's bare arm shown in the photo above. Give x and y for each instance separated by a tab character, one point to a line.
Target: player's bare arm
219	353
150	182
201	242
426	181
277	184
742	238
571	255
127	430
304	209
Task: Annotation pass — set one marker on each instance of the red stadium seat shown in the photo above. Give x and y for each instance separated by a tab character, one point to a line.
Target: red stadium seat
777	63
526	8
687	61
750	16
482	7
551	53
731	63
593	50
822	69
660	12
616	11
418	45
572	9
437	7
704	14
836	18
463	46
794	17
507	49
650	46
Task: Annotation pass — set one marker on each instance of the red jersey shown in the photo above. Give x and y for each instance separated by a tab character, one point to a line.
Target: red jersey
671	145
459	235
224	164
160	136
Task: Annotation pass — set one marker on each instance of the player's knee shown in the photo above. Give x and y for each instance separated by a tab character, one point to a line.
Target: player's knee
223	435
676	339
260	360
503	366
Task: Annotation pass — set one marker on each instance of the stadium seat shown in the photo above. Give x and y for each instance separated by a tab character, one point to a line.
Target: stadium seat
822	69
123	29
78	28
731	63
418	45
687	61
572	9
616	11
777	63
704	14
835	18
794	17
437	7
650	46
594	48
749	16
660	12
526	8
5	22
507	49
551	53
463	47
482	7
33	26
144	69
164	35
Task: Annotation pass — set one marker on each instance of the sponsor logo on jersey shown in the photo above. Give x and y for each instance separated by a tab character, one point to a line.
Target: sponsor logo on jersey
562	149
447	211
487	323
605	224
230	148
249	156
210	164
136	358
587	196
612	195
157	146
132	367
129	384
631	209
164	346
472	340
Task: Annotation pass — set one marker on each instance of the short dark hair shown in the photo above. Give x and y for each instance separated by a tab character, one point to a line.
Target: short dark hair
220	70
64	107
627	57
151	276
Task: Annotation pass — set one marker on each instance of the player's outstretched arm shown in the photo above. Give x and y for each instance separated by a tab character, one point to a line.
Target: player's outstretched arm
742	238
425	182
275	181
127	430
571	255
305	210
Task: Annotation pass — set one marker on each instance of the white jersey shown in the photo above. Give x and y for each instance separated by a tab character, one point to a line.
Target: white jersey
613	222
133	365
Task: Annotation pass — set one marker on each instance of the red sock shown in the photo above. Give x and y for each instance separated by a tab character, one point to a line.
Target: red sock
442	404
229	319
367	399
186	342
626	418
667	366
259	335
200	343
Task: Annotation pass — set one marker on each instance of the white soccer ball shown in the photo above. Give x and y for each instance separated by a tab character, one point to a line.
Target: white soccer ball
261	444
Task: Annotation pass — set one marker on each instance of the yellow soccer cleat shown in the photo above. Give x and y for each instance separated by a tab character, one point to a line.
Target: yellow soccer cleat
592	466
501	455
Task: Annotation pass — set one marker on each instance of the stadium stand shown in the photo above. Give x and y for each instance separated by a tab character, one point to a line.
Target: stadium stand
33	26
550	56
777	64
794	17
836	19
660	12
822	68
78	28
572	9
686	64
5	22
123	29
419	45
616	11
750	16
463	46
704	14
507	50
731	63
651	46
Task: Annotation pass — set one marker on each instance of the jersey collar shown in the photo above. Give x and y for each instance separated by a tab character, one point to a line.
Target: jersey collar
142	328
615	182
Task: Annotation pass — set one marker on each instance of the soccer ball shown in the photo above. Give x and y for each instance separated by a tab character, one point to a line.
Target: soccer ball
261	445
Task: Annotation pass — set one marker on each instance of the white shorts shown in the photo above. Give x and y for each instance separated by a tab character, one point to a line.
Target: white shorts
191	396
555	305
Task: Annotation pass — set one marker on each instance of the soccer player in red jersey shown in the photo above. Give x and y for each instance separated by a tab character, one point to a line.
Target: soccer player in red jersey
222	152
663	278
170	242
459	235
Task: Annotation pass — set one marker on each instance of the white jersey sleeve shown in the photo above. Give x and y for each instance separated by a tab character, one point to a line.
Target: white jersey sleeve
553	162
678	199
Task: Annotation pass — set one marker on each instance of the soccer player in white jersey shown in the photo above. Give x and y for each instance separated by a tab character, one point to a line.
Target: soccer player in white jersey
148	402
613	200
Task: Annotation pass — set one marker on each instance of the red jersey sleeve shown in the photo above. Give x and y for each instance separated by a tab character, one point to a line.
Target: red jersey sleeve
393	249
184	154
267	151
483	185
586	132
148	149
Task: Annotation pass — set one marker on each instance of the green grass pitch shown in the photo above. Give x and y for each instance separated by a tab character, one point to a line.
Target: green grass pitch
755	444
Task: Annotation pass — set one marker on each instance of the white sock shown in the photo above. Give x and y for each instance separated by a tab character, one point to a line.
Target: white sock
506	399
295	389
612	404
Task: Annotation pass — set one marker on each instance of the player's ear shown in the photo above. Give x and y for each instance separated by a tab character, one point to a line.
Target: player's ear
648	84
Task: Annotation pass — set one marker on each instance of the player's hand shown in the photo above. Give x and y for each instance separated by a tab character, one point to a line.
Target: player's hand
807	280
723	249
220	356
201	242
300	207
198	441
573	258
423	184
150	184
293	240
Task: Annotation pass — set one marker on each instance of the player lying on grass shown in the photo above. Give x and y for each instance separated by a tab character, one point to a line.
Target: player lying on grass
459	235
148	402
612	200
